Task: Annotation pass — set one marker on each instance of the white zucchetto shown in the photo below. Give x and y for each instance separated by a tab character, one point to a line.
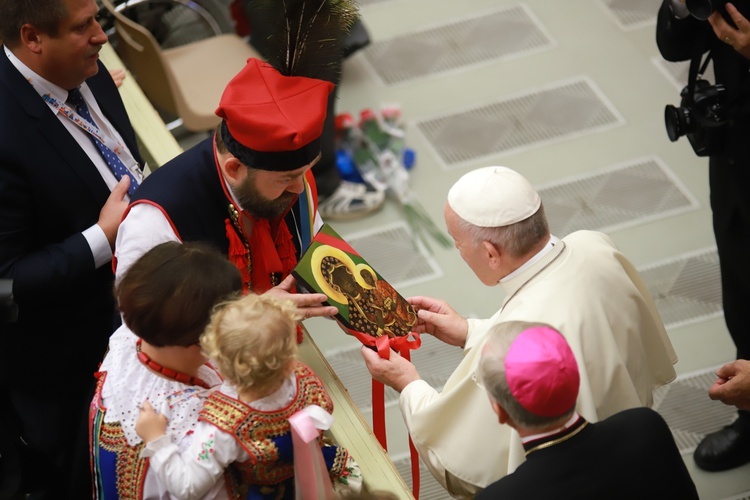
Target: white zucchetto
493	197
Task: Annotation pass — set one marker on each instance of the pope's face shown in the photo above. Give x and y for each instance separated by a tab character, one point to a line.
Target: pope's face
474	254
70	56
268	195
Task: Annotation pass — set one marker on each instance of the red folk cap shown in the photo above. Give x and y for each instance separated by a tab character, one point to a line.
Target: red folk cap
542	372
271	121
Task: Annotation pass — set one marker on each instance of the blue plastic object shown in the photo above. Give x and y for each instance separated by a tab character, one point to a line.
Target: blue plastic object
347	167
410	158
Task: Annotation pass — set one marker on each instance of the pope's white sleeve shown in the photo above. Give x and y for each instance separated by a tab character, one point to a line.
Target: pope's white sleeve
143	228
191	474
475	328
416	396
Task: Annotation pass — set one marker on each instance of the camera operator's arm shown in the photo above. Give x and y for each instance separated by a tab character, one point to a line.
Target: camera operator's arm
739	37
675	36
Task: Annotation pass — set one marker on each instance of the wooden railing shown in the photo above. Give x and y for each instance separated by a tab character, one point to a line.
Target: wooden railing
350	428
156	144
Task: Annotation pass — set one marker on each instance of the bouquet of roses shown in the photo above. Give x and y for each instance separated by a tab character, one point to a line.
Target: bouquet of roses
374	151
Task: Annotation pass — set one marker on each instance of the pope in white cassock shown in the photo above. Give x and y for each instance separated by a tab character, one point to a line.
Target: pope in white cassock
580	284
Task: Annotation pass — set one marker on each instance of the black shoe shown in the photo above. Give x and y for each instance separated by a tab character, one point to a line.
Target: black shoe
725	449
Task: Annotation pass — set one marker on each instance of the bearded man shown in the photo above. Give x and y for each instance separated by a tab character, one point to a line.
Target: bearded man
248	189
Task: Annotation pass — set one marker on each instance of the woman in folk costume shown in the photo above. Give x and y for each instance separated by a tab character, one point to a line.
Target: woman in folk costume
245	424
166	299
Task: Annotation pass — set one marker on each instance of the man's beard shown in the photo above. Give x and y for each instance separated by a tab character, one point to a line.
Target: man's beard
257	205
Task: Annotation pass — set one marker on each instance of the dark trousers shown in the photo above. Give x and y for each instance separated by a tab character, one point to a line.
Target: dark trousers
730	205
49	383
53	423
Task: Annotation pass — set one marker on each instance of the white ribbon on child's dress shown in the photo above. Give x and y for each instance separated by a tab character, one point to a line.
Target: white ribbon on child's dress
311	479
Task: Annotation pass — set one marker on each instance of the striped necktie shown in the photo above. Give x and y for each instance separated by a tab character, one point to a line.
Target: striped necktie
75	98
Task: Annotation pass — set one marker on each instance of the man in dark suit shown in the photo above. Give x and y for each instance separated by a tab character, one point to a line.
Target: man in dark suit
532	379
60	206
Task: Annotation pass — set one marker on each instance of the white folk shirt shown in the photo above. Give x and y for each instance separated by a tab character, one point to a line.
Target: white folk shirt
189	479
146	226
594	296
129	383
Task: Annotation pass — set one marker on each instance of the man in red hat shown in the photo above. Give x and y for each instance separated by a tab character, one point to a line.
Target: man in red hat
340	199
248	190
532	379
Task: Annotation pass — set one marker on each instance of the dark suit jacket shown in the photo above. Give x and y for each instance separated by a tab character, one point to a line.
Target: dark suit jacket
629	455
49	193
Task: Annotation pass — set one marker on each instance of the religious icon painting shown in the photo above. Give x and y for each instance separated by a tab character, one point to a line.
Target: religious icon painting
367	303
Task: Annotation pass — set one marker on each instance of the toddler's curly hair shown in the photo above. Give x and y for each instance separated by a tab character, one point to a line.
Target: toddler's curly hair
253	341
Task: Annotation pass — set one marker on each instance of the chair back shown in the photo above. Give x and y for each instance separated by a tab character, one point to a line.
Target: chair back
142	55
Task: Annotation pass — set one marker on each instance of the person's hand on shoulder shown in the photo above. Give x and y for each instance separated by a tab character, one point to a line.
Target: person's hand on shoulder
733	385
439	319
309	305
150	425
395	372
111	213
118	75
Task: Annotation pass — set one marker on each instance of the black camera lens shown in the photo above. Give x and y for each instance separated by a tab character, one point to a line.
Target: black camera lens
699	9
677	121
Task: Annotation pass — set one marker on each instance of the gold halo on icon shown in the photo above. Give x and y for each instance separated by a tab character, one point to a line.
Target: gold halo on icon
358	275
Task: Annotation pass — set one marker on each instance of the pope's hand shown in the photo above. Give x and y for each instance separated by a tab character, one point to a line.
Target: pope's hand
439	319
309	305
395	372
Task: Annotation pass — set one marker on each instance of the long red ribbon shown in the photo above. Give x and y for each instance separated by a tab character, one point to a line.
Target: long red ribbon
384	345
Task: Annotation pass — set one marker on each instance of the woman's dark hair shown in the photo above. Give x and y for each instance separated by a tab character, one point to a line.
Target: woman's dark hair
167	296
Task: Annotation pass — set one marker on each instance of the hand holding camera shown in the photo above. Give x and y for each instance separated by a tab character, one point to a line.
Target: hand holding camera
732	27
729	23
